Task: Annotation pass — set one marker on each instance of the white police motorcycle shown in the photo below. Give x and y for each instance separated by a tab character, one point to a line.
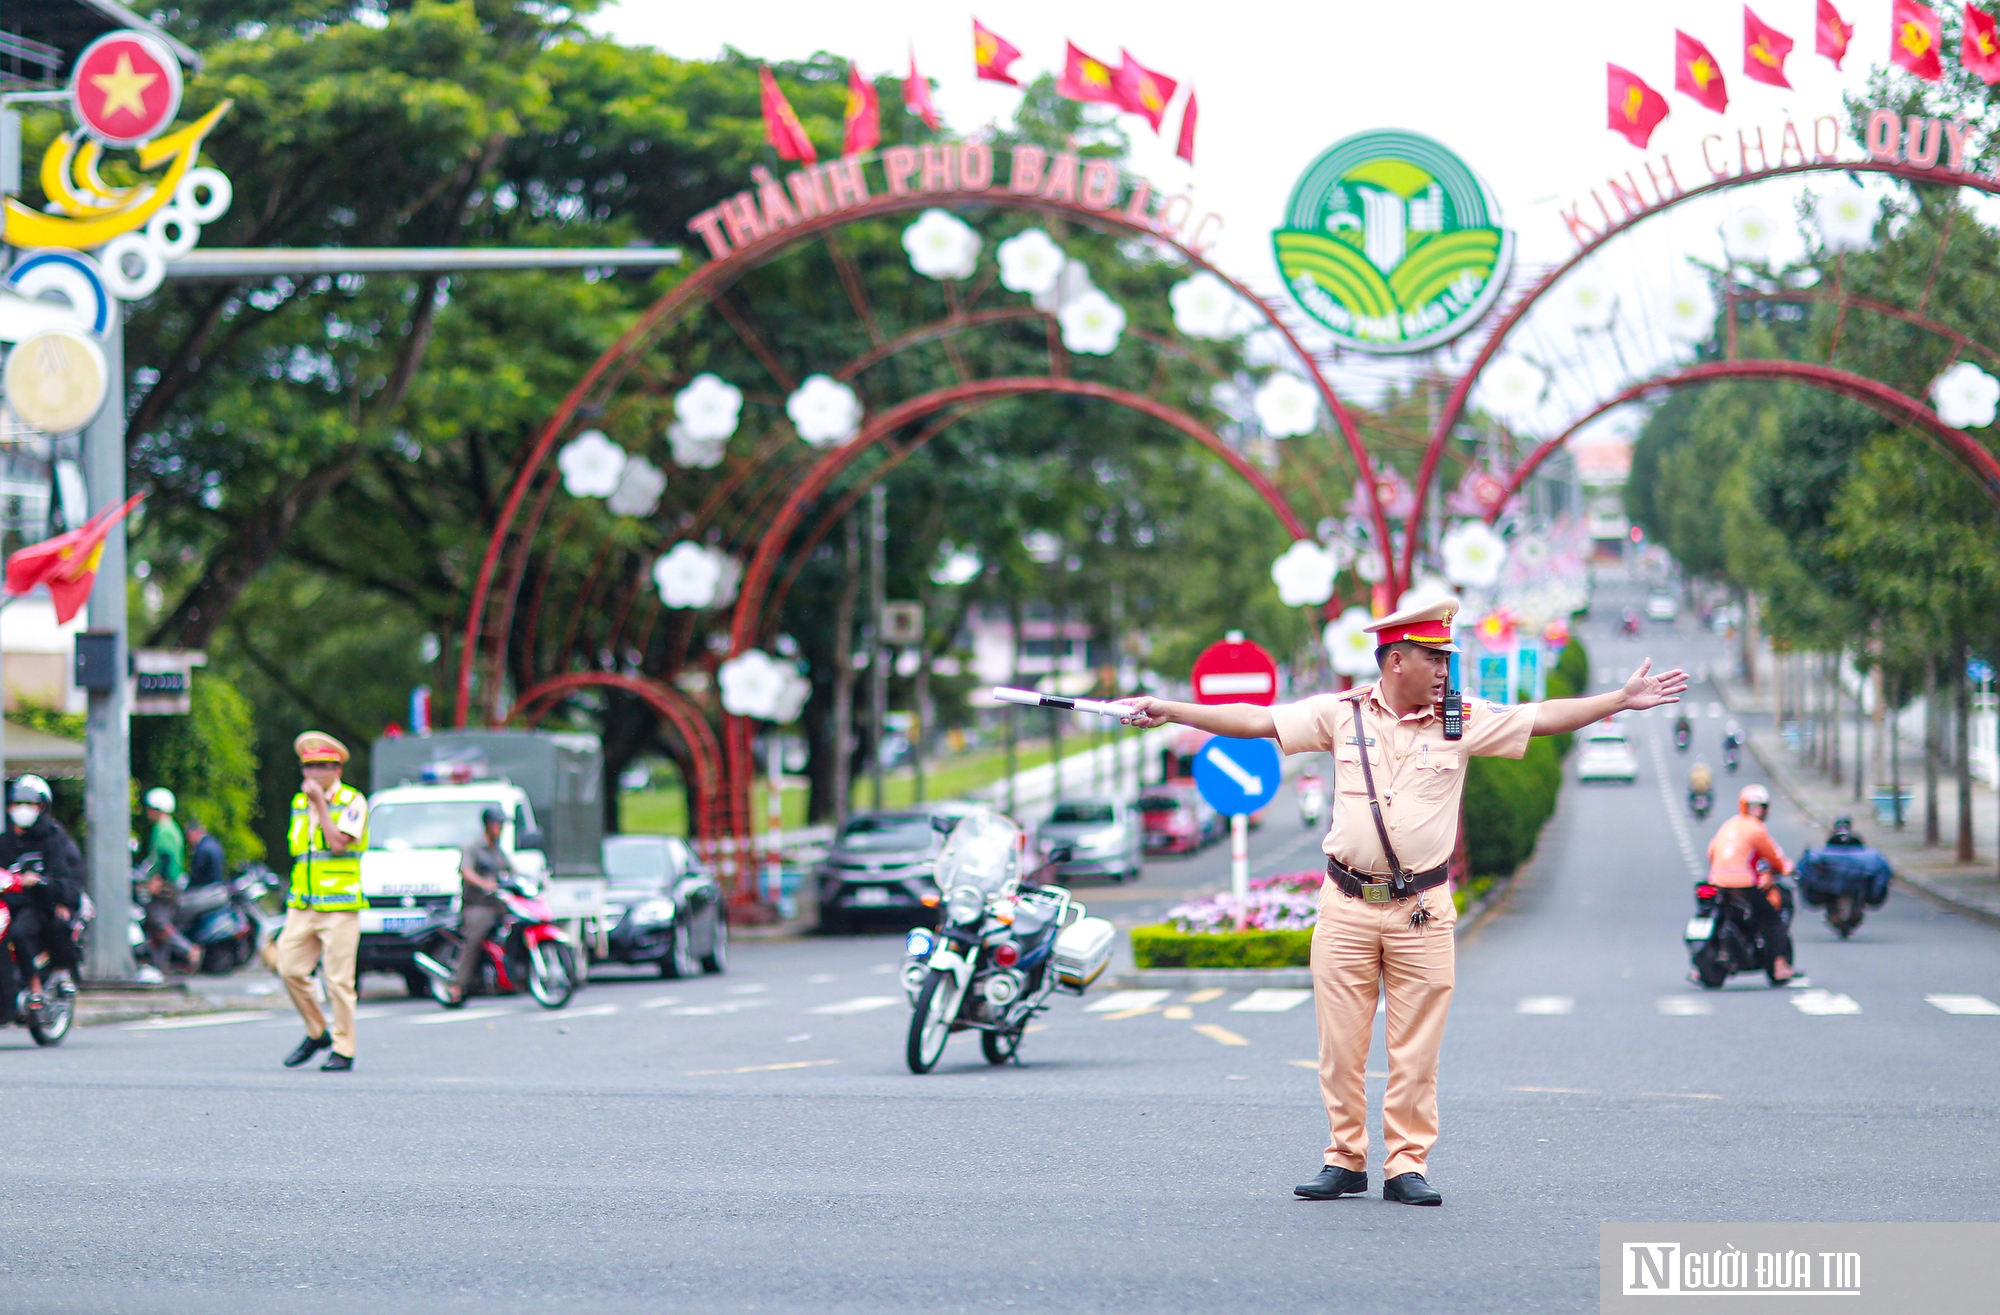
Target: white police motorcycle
1002	946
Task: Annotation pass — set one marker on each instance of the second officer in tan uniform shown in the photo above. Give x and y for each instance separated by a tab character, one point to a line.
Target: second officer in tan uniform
1386	920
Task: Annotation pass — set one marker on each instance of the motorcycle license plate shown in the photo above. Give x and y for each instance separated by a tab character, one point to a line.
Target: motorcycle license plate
871	896
1699	929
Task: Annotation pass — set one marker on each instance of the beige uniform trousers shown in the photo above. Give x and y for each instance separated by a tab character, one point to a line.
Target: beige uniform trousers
313	938
1355	947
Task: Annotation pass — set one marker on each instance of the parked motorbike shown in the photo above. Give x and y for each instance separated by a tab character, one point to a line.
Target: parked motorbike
1002	947
48	1023
527	951
1722	937
1312	802
225	920
1846	877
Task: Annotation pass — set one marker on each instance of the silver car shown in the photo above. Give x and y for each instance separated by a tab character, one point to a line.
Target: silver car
1106	838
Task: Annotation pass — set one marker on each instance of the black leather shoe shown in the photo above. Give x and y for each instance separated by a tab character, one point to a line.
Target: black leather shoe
1333	1181
1411	1189
309	1047
339	1063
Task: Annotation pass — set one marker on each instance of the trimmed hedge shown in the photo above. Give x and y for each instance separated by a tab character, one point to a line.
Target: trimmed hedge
1165	946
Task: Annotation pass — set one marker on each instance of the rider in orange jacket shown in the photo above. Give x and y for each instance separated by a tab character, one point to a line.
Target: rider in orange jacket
1743	855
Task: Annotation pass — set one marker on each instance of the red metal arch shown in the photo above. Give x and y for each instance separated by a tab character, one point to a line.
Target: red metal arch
1887	401
1454	406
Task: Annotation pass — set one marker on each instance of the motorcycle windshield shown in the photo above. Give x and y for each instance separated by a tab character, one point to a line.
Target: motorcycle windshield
984	852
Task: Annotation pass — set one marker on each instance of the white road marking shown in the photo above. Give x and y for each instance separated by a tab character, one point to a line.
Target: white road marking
1685	1006
1679	824
1714	711
860	1004
1819	1003
201	1020
761	1068
594	1011
460	1016
749	988
819	979
708	1011
1545	1004
1119	1001
1270	1002
660	1002
1963	1004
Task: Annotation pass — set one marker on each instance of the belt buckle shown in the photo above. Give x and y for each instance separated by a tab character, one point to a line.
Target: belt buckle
1375	892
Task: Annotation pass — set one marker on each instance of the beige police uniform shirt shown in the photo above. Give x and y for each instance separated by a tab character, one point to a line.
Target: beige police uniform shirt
1419	774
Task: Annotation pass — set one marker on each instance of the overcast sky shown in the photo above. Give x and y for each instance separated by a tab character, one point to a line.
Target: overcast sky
1516	89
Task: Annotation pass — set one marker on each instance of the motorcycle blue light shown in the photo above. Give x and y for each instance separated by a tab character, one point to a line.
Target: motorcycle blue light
919	944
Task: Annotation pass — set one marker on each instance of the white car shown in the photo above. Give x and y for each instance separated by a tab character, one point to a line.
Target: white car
1605	755
1660	606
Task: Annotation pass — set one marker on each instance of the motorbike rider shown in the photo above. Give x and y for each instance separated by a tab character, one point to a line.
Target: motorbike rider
1312	795
166	865
481	867
1743	856
207	864
37	846
1701	780
1683	731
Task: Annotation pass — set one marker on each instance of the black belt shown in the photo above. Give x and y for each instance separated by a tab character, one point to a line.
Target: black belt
1380	890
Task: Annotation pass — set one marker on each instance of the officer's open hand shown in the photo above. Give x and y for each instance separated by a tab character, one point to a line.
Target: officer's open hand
1645	690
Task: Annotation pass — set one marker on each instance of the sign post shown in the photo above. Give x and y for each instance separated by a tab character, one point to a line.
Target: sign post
1237	777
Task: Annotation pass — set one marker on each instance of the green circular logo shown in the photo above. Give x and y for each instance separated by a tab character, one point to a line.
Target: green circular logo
1392	243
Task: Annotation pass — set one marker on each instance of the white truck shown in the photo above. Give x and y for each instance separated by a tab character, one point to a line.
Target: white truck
429	795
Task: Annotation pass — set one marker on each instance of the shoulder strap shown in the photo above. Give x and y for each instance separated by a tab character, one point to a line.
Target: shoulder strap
1398	875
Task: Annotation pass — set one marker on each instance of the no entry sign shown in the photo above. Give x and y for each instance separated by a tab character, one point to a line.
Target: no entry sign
1236	671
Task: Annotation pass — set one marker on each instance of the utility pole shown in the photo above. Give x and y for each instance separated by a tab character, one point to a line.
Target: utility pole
107	790
878	652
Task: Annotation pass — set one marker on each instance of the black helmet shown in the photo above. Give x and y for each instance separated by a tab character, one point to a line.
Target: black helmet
492	815
1843	830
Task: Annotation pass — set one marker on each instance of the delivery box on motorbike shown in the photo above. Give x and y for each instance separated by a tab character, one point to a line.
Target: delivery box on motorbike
1083	949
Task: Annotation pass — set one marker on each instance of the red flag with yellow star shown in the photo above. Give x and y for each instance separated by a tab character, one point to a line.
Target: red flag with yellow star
67	564
864	114
1697	74
1087	78
1831	33
1634	109
1143	91
1764	51
1915	37
782	124
1980	52
992	53
917	95
1190	114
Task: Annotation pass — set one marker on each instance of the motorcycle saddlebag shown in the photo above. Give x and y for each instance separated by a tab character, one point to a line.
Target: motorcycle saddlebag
1082	951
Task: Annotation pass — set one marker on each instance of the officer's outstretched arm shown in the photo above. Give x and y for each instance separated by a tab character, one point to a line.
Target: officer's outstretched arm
1238	721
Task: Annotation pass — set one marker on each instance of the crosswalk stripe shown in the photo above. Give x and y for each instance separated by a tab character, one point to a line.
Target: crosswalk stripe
200	1020
860	1004
1221	1034
1121	1000
593	1011
1963	1004
1545	1004
1685	1006
460	1016
1270	1001
1820	1003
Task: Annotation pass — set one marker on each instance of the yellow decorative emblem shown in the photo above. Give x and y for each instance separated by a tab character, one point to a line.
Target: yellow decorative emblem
91	213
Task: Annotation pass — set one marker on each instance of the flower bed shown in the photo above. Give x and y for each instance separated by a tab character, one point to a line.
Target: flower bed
1278	916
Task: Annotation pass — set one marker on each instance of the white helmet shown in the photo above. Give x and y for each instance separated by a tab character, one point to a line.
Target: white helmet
1752	795
30	789
161	798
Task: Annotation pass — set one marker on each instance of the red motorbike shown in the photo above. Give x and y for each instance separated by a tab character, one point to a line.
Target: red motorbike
49	1021
526	951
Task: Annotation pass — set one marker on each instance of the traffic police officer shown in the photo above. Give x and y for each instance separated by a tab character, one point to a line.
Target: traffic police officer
1386	920
323	926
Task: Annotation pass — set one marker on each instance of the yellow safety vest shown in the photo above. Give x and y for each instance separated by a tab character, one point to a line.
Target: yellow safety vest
322	879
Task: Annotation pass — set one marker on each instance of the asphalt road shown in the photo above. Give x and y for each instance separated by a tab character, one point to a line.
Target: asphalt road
754	1143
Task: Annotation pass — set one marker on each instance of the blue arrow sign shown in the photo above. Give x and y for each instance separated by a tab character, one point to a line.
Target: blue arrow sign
1237	776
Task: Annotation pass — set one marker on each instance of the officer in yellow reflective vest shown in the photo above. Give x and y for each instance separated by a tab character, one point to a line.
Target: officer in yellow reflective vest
323	926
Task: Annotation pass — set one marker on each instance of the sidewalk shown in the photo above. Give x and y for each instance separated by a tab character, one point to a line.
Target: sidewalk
1971	889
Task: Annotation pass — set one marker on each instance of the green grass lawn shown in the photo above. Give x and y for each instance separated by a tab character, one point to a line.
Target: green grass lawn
664	811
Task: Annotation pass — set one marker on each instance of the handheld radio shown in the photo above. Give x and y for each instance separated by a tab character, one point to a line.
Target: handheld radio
1454	705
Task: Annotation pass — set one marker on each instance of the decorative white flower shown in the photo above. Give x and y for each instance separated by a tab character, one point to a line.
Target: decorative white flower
1042	546
1966	396
640	485
1511	388
1287	405
591	464
753	685
1091	324
1689	314
1349	647
1587	298
1304	574
688	575
1530	553
942	246
956	566
709	407
825	413
792	700
1370	566
1473	554
1030	261
1747	235
1846	216
1205	307
1427	590
1072	282
731	575
695	453
1336	546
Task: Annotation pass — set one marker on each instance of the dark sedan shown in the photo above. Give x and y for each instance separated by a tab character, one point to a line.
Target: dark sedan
663	907
879	868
